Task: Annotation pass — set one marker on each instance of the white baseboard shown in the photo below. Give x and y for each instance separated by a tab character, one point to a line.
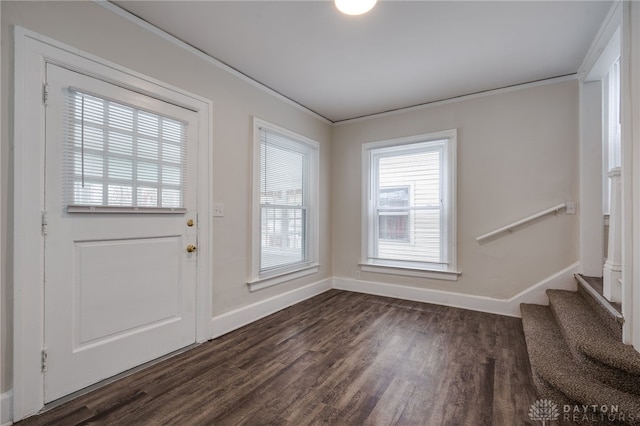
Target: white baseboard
562	280
222	324
5	408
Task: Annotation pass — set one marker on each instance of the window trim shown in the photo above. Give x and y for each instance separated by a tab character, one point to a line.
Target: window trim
450	272
259	280
607	141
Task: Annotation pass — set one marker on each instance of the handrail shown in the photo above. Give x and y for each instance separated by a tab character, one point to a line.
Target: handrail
510	228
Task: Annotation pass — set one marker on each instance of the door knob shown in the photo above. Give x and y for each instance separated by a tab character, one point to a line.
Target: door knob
191	248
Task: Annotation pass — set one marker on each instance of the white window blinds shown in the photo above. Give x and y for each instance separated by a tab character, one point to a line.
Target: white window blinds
284	201
118	155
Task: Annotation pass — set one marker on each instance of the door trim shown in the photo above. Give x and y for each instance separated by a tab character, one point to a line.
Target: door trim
32	52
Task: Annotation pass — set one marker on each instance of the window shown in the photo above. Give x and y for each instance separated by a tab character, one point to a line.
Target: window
613	142
285	204
120	156
409	206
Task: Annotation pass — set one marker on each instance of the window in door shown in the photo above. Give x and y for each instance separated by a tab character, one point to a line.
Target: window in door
122	156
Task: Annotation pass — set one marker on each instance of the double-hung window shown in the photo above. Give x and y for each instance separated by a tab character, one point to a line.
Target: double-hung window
409	216
285	205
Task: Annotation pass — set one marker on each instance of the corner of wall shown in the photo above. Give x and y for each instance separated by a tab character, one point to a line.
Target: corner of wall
6	400
229	321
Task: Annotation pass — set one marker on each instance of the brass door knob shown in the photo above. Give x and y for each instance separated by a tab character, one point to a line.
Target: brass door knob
190	222
191	248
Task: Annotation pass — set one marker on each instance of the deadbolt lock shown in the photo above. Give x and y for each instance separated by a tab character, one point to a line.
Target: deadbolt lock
191	248
190	222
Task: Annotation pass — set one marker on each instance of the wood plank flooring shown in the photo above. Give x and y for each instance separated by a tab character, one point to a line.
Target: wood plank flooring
339	358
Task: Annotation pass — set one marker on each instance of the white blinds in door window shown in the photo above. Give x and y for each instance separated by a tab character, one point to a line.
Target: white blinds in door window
284	201
121	156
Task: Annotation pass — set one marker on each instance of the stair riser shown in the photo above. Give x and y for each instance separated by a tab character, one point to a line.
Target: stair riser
546	391
610	375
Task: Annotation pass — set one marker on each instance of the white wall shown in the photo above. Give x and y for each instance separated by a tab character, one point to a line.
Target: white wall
592	233
93	29
517	155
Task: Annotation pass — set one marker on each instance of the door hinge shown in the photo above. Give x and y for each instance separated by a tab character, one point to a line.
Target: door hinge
44	359
45	222
45	93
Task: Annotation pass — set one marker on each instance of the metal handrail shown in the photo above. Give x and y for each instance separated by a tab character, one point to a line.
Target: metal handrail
511	227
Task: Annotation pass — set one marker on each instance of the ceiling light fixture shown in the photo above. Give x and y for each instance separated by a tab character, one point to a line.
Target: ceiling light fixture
355	7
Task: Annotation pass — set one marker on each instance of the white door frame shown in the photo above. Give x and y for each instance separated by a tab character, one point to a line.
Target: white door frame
32	52
626	16
631	173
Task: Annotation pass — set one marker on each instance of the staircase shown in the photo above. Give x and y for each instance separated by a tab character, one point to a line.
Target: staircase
577	356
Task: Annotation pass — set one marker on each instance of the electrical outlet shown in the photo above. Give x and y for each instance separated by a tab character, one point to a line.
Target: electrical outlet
571	207
218	210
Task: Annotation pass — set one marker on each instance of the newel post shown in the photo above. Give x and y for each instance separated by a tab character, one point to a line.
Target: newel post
612	271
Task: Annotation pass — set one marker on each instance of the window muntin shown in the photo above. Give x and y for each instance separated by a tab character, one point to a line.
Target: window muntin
118	155
286	201
410	213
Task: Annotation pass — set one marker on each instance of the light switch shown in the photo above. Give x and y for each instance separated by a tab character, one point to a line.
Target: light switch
218	210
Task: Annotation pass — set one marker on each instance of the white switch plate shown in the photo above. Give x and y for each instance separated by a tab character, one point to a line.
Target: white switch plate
218	210
571	207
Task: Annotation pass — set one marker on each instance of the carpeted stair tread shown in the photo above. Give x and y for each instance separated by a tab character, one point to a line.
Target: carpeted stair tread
588	288
585	332
553	362
546	391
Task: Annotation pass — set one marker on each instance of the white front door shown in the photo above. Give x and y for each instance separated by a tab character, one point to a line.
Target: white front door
120	199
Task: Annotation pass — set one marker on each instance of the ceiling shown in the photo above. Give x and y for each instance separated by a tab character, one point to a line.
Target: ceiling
401	54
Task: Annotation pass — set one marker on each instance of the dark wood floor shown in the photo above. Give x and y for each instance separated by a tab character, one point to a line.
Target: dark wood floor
340	358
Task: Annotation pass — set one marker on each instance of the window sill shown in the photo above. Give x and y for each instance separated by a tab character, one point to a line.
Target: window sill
260	283
411	272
